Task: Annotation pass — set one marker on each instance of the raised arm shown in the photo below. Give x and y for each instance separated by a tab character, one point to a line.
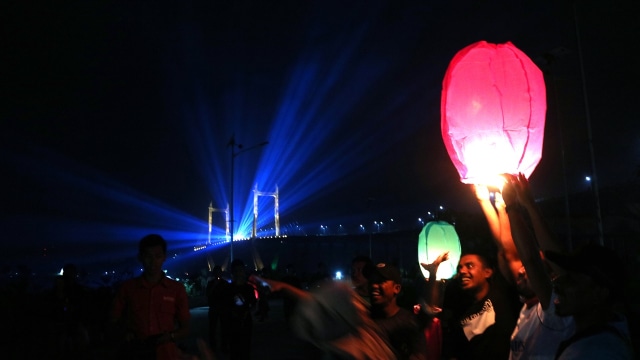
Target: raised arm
505	241
433	290
287	289
545	237
525	241
508	259
484	200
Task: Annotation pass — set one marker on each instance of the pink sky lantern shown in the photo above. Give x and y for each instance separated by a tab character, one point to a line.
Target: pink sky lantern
493	110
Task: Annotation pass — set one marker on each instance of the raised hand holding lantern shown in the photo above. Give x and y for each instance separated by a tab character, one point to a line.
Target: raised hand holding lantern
492	112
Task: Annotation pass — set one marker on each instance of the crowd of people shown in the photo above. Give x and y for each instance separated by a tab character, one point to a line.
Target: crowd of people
531	299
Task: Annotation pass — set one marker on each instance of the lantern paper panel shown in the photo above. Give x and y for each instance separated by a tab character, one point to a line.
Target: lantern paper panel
492	112
435	238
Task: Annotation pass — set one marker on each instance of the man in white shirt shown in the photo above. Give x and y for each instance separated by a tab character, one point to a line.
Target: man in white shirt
539	330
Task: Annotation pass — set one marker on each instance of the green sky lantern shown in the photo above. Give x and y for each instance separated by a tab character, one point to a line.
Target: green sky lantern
435	238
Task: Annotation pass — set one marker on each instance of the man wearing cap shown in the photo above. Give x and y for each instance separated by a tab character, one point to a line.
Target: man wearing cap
589	290
399	324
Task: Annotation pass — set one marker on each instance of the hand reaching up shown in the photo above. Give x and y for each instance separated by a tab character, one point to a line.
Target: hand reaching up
499	201
482	192
516	190
509	191
433	267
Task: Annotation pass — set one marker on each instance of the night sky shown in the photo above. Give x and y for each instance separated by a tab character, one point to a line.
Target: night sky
116	115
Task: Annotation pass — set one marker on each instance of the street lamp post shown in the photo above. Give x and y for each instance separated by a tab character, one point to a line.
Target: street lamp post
594	176
233	145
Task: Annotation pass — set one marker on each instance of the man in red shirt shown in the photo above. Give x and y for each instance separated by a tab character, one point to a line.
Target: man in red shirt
152	308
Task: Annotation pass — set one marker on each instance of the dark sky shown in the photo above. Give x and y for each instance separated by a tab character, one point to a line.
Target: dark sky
134	102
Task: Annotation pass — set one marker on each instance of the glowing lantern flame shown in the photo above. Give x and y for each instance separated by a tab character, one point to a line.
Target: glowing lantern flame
493	111
435	238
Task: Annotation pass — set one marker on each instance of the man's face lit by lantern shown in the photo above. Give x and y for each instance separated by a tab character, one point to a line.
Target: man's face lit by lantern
473	273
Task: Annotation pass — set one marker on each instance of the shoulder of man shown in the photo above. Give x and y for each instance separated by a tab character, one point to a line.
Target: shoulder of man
605	343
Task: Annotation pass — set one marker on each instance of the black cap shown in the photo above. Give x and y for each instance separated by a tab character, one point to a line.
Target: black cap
600	263
387	272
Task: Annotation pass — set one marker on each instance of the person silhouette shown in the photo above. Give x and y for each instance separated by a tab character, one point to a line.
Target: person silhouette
70	311
151	309
239	298
361	268
216	288
590	288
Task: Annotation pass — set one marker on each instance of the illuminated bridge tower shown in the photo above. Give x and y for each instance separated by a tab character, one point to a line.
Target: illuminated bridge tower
226	213
257	193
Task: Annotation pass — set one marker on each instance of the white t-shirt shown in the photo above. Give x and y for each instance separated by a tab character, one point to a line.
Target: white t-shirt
538	332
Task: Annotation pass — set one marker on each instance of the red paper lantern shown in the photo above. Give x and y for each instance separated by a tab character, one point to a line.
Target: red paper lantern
493	110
